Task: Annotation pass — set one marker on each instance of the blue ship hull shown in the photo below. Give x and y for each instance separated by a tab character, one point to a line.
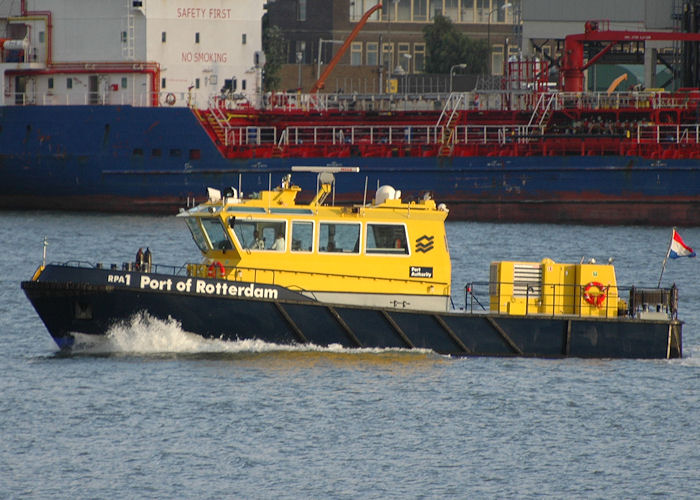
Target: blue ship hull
121	158
89	301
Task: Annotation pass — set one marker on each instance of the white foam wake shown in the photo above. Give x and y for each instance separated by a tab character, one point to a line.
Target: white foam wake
144	334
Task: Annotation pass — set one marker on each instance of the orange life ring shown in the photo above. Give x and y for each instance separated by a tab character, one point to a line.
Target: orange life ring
213	267
170	99
594	299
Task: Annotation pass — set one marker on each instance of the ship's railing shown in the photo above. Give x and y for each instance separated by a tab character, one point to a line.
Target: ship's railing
128	266
674	134
525	100
252	136
375	135
464	135
642	100
135	99
572	300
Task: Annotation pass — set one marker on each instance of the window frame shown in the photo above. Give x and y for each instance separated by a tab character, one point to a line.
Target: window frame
255	224
224	232
356	54
404	251
313	236
339	252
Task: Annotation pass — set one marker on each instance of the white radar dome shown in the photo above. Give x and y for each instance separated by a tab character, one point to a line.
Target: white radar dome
385	193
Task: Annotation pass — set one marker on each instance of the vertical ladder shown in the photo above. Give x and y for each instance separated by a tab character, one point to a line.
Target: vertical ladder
450	118
128	25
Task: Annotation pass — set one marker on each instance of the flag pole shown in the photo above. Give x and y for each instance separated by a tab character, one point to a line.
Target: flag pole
668	252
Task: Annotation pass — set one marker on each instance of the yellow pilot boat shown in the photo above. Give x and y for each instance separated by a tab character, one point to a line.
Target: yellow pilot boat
375	274
386	253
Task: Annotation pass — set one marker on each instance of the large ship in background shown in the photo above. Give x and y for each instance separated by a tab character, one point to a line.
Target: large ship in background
140	106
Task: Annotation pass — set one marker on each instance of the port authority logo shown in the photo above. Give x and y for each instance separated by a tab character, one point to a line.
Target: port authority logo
425	243
420	272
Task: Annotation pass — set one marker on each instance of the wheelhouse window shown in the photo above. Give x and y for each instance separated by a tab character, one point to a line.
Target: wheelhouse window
386	239
215	232
302	236
197	233
341	238
260	234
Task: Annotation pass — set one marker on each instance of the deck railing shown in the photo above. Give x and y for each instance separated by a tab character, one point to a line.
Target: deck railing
524	100
465	135
563	299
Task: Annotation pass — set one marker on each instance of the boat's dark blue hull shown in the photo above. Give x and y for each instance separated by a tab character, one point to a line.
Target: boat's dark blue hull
112	158
86	300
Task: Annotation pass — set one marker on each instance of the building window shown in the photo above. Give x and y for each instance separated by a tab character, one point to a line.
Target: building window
196	38
355	10
420	10
483	7
451	10
124	82
372	53
497	60
388	55
196	83
50	83
41	37
156	153
175	152
243	85
301	10
162	83
419	57
359	7
69	83
162	37
467	14
123	36
356	54
244	38
403	11
137	152
405	56
195	154
490	11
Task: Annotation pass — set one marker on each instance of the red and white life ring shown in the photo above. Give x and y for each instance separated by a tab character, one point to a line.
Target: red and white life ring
214	267
594	299
170	99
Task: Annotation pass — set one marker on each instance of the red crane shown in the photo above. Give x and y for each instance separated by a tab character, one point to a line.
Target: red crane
573	65
321	82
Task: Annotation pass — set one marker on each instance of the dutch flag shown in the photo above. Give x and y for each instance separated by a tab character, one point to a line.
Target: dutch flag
679	248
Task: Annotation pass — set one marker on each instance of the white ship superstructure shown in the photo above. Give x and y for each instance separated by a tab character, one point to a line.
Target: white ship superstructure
140	52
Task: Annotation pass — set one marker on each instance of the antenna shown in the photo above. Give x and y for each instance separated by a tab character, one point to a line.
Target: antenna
46	244
328	169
